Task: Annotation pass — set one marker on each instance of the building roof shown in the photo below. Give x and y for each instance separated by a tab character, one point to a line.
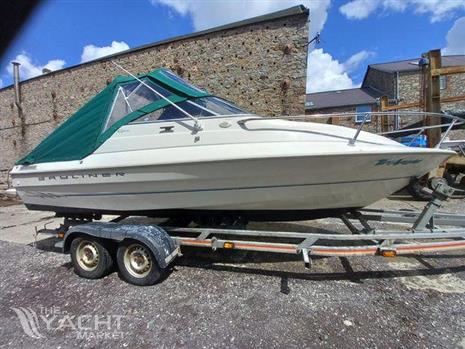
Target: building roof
412	64
341	98
291	11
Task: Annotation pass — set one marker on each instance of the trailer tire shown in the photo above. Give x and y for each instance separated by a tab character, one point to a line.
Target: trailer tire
91	258
451	177
415	189
137	264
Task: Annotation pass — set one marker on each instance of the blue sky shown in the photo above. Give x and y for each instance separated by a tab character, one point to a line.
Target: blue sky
354	33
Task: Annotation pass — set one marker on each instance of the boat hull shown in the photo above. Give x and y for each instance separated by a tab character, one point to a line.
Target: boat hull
274	188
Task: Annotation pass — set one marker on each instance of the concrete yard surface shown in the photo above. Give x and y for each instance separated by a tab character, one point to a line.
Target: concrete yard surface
232	299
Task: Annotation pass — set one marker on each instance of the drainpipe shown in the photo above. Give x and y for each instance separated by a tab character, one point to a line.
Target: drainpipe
18	94
397	118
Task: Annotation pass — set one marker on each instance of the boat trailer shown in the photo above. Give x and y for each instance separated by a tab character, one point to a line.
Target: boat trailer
410	232
422	227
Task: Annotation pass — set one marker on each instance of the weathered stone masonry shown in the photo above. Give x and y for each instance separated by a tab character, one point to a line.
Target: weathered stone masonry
259	64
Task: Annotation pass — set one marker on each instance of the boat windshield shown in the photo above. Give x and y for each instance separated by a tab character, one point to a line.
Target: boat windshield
197	107
133	96
169	74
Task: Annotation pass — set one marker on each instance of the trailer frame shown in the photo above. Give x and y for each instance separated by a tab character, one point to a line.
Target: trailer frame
413	231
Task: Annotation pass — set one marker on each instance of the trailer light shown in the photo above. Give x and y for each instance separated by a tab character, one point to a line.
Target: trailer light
228	245
60	235
388	253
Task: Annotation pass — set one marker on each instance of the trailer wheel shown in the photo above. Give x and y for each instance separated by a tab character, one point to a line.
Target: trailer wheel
415	189
137	264
91	258
451	177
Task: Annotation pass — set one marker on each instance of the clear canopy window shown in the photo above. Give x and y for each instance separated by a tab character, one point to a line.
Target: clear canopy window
133	96
219	106
197	107
169	74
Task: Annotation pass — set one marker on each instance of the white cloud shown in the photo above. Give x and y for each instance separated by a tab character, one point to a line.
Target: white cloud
355	60
91	52
28	69
1	83
456	38
358	9
326	73
436	9
207	13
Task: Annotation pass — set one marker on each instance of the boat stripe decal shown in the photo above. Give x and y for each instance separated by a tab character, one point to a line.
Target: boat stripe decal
224	189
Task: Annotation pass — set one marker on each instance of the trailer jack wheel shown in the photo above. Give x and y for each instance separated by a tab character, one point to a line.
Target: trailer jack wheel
137	264
91	258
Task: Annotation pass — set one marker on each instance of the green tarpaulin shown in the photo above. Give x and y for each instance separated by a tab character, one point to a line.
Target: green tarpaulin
113	107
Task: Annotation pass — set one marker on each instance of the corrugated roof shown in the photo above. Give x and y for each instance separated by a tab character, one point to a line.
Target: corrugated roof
291	11
340	98
412	64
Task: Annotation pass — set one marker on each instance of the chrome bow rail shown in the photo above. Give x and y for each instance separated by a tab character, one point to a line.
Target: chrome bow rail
454	121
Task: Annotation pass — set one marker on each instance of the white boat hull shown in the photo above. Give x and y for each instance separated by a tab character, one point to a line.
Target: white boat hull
300	186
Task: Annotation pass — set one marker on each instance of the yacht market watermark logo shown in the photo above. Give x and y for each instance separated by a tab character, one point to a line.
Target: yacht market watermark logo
36	324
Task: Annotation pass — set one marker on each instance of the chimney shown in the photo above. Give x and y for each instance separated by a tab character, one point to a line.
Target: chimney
18	95
16	84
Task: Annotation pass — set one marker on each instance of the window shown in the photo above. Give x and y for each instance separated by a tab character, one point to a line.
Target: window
218	106
133	96
171	113
361	111
197	107
443	82
172	76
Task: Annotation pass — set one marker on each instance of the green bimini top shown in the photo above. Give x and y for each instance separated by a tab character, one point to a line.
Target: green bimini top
124	100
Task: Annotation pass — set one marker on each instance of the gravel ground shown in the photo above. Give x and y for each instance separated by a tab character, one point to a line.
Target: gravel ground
236	299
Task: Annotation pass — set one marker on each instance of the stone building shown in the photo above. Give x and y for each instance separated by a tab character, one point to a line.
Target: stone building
355	100
259	64
401	81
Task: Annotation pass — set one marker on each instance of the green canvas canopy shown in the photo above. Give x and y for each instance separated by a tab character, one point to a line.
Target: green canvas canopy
124	100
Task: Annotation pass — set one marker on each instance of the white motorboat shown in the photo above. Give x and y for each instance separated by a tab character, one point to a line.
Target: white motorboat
155	145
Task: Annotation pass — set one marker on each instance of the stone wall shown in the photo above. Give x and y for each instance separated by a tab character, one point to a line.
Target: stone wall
260	66
410	87
455	86
410	91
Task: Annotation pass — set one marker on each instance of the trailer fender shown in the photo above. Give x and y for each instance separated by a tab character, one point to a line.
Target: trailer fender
157	239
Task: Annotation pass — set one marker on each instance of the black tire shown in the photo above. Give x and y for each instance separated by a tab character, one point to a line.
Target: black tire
91	258
143	271
450	177
415	189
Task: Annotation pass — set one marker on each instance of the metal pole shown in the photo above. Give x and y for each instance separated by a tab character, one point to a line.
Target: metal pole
17	89
16	84
446	133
